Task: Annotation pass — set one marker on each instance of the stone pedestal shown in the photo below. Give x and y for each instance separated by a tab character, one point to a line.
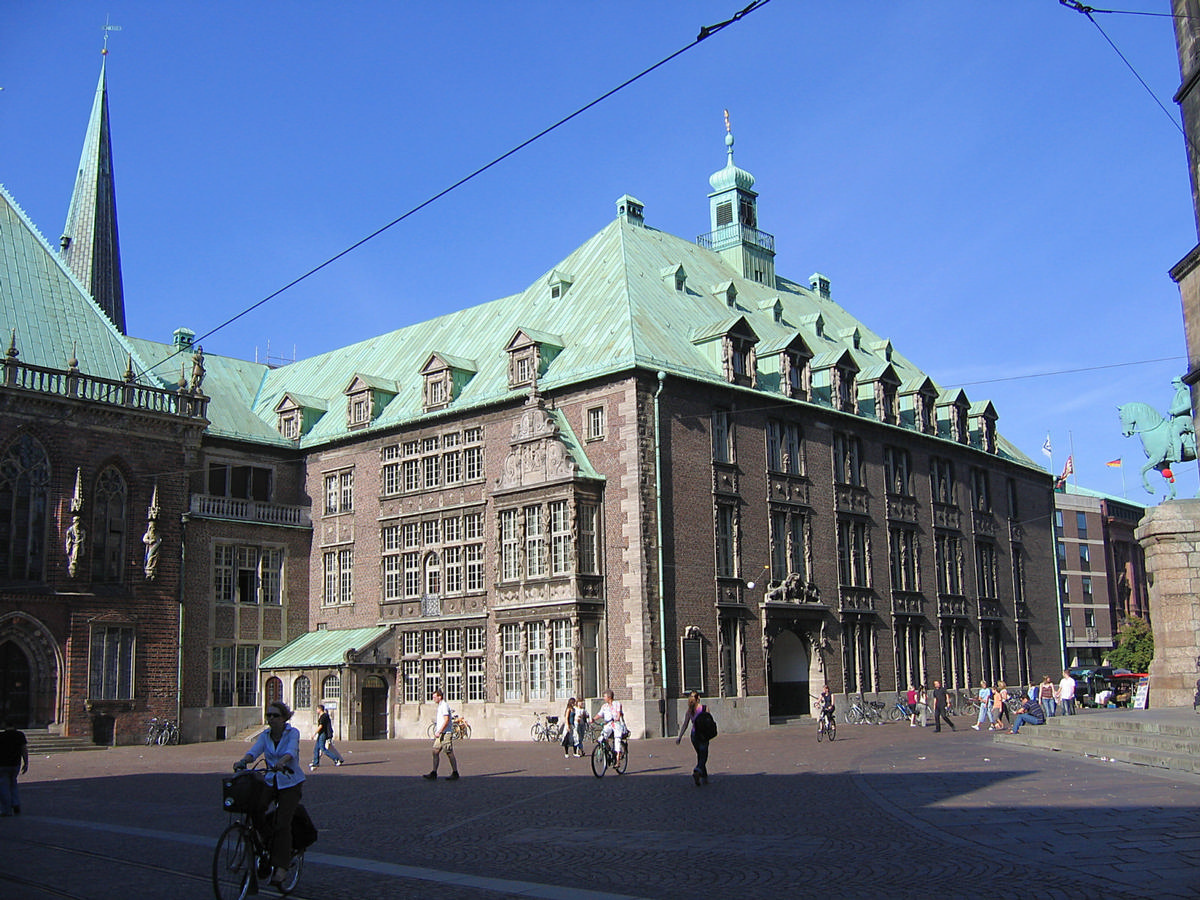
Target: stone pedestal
1170	538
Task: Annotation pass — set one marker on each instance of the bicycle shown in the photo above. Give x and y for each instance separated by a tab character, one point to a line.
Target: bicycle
242	857
826	725
545	731
604	757
168	733
900	711
861	711
460	730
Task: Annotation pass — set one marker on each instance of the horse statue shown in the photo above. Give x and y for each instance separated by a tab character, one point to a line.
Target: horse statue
1165	441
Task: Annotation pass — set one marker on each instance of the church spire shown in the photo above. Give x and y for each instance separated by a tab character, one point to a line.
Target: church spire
90	247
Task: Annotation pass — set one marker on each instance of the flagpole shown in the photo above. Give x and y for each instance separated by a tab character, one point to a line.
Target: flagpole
1071	441
1124	494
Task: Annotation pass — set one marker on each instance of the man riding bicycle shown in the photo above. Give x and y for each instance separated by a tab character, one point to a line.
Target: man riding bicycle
614	723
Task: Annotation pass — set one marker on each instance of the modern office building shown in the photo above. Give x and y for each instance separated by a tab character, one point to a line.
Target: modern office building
1101	570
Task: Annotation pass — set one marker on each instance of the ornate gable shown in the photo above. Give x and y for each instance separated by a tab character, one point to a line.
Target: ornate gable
537	454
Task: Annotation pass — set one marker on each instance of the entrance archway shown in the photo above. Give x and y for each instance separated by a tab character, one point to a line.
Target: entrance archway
14	684
789	675
374	708
30	665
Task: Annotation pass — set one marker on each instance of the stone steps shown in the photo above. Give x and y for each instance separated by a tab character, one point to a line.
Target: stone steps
1126	736
43	743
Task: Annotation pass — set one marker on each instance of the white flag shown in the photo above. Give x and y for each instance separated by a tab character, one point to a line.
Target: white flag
1046	447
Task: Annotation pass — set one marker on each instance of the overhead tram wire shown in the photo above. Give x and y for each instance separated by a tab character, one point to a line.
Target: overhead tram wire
1088	11
705	32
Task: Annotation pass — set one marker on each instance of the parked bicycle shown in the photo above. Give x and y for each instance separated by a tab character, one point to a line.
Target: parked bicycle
162	732
604	757
460	730
242	859
826	725
545	730
861	710
900	711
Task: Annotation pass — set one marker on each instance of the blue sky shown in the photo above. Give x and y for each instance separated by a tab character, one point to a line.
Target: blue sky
985	184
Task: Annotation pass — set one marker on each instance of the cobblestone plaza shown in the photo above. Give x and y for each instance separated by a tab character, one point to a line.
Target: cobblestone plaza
885	811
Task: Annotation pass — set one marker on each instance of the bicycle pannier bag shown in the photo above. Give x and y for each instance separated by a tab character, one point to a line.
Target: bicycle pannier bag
245	792
706	725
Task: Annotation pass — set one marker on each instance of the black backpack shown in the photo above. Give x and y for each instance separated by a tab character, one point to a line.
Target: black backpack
706	725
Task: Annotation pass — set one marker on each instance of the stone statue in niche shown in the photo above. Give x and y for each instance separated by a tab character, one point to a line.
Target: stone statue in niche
76	535
153	542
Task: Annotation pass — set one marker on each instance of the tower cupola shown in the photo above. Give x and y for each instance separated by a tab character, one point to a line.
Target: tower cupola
733	213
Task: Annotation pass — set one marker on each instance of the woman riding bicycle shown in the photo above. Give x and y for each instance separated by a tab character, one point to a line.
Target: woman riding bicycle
827	708
614	723
279	746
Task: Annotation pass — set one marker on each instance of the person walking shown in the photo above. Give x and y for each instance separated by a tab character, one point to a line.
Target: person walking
999	705
14	761
985	706
443	738
1066	694
581	726
279	746
923	705
570	737
1045	694
940	704
324	742
699	742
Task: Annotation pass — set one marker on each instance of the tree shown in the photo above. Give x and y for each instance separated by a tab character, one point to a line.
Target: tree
1135	645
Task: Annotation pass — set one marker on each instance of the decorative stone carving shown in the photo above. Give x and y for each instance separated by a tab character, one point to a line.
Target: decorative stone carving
151	539
852	499
537	454
901	509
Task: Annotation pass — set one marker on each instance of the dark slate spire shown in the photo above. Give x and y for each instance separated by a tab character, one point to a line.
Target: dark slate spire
89	243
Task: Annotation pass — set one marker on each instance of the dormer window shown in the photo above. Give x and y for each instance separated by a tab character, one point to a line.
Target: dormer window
797	376
740	362
366	396
444	377
559	284
529	354
926	424
296	414
845	389
676	276
726	291
885	401
289	425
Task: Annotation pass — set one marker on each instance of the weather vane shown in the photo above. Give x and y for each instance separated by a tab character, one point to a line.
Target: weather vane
107	29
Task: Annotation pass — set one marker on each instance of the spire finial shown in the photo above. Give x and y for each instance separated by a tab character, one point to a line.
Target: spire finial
107	28
729	137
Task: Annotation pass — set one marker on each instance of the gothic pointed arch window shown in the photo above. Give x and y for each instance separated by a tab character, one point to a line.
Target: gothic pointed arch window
24	492
108	526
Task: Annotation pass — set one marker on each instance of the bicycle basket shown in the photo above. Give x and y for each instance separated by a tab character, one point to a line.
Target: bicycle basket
245	792
551	720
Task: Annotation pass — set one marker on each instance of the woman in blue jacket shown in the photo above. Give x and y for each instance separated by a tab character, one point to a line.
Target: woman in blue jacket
279	746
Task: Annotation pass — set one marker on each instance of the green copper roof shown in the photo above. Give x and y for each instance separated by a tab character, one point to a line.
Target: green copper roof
323	648
51	311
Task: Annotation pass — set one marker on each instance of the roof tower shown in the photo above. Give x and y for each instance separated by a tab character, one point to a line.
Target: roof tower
733	209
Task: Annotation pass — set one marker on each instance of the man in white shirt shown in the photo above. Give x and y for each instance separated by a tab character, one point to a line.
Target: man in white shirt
614	723
1066	693
443	738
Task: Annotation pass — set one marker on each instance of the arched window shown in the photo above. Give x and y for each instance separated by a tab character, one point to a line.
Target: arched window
108	527
24	490
302	693
331	688
274	690
433	574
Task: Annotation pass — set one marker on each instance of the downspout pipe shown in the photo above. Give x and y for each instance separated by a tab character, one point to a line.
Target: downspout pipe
183	521
662	603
